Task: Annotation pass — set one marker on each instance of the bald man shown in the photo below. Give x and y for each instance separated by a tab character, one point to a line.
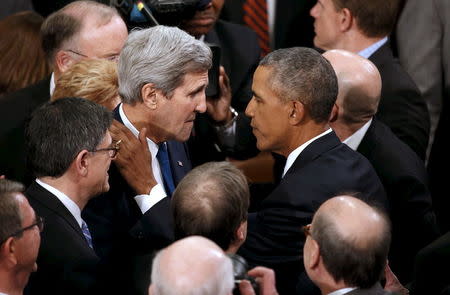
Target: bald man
189	264
346	247
401	171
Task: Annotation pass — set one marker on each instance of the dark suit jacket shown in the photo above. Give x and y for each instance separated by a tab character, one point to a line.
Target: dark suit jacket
404	178
293	24
122	233
323	170
66	264
240	54
15	110
431	268
401	106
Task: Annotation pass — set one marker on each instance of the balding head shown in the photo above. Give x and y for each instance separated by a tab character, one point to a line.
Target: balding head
193	265
353	239
359	86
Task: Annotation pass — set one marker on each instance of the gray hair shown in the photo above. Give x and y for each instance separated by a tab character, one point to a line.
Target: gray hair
10	215
302	74
160	55
219	282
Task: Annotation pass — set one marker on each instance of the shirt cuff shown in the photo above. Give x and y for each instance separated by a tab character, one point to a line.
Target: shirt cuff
145	202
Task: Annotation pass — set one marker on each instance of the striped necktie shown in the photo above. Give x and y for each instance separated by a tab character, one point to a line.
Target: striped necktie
255	17
87	234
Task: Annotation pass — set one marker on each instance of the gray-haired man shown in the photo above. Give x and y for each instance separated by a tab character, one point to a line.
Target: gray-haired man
163	73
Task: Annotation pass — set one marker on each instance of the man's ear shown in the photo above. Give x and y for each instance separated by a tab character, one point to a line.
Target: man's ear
241	232
63	61
8	251
296	112
314	254
346	20
149	98
334	113
81	163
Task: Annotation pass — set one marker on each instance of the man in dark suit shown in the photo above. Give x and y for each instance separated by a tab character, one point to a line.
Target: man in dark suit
294	93
70	150
19	238
69	35
163	73
292	24
402	173
346	247
345	25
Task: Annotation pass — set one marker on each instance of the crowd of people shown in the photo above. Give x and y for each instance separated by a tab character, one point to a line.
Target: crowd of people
312	169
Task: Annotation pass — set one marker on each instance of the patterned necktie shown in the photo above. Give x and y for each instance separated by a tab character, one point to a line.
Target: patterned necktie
164	164
87	234
255	17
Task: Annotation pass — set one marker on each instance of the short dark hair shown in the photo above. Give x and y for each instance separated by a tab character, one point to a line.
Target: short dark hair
304	75
60	129
211	201
356	266
65	24
10	216
375	18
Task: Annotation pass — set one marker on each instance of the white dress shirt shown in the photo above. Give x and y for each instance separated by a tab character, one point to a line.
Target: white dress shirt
67	202
295	153
342	291
157	193
354	140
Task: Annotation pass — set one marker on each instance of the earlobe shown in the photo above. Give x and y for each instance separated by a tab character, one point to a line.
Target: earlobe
81	163
63	61
149	97
8	250
346	20
315	254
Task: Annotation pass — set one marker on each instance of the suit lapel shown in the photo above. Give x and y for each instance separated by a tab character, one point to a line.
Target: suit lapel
314	150
47	199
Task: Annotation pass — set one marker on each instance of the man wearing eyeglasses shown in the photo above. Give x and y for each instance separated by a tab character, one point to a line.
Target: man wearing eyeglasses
19	238
80	30
346	247
70	151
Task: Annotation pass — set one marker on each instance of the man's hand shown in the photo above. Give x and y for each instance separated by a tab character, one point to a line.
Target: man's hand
134	159
265	277
219	108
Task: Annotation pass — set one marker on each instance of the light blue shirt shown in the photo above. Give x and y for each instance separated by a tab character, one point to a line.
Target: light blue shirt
367	52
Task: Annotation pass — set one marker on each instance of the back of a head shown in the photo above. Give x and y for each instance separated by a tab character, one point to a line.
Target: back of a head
192	266
211	201
10	215
160	55
353	239
375	18
22	59
92	79
59	130
359	86
303	74
61	28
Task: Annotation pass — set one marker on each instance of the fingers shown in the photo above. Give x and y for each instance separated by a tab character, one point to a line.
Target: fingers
245	288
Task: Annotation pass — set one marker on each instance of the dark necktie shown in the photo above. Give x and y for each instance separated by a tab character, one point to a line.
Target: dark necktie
255	17
164	165
87	234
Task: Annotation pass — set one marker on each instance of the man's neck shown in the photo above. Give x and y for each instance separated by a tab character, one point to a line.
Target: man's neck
355	42
8	284
140	119
344	131
70	188
299	137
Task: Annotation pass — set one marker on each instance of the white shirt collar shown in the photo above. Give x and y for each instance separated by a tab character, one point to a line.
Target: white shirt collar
295	153
342	291
367	52
52	84
67	202
354	140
